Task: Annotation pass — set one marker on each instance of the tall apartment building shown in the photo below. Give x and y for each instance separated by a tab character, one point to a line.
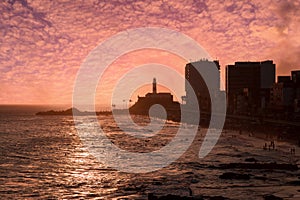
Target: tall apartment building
248	86
199	86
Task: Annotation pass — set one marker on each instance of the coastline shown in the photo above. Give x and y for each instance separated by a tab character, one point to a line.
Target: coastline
269	130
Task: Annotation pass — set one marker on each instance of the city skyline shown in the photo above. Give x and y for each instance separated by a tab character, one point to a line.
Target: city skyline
44	43
149	99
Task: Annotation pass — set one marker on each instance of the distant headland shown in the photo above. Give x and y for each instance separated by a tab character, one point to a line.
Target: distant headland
73	111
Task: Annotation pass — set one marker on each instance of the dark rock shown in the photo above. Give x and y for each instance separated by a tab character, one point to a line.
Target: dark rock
93	195
263	178
250	160
129	189
231	175
294	183
189	173
270	166
274	180
272	197
157	183
194	181
217	198
151	196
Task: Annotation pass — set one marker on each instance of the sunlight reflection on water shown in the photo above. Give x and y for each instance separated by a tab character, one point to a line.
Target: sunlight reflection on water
42	157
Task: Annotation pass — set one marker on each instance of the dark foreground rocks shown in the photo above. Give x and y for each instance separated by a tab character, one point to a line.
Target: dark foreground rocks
236	176
172	197
272	166
272	197
177	197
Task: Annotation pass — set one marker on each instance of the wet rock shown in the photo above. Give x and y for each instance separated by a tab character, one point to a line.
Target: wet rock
236	176
217	198
134	188
194	181
93	195
189	173
157	183
272	197
274	179
151	196
271	166
250	160
263	178
294	183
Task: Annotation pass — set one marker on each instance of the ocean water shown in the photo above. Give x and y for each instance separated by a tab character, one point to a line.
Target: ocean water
43	157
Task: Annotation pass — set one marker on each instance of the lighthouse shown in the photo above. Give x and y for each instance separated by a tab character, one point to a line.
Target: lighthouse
143	105
154	91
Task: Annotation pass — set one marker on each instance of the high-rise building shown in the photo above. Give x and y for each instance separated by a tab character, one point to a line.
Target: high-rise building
248	86
282	95
296	77
296	82
197	84
285	96
284	79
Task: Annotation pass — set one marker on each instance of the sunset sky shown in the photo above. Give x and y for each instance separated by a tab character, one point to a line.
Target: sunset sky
43	43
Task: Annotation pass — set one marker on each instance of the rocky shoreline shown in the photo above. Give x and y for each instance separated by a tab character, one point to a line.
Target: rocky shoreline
258	128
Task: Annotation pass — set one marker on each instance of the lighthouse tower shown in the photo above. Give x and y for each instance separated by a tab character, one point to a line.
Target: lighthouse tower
154	90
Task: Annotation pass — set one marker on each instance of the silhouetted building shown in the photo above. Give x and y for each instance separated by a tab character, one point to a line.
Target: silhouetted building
282	96
296	82
198	85
284	79
248	86
143	105
285	96
296	77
